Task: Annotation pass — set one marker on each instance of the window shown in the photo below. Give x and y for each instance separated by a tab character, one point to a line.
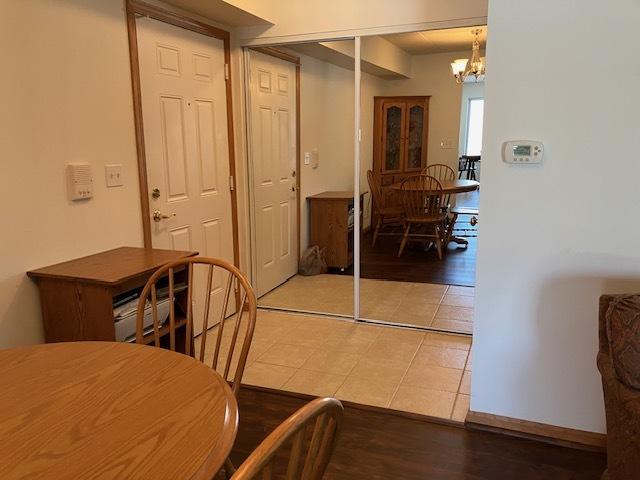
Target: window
475	114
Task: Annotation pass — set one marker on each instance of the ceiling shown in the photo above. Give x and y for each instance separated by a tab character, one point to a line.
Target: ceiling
437	41
220	11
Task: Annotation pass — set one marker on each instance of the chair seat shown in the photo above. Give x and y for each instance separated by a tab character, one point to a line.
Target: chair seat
436	218
465	211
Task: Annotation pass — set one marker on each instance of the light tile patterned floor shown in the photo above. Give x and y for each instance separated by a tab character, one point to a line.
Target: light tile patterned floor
445	307
427	373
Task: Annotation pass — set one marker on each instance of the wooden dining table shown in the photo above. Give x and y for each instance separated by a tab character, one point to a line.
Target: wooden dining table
88	410
450	187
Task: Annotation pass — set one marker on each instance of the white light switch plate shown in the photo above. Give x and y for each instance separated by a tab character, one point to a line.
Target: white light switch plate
113	174
447	143
307	158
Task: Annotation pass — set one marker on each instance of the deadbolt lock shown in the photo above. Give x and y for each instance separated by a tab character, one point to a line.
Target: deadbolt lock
155	193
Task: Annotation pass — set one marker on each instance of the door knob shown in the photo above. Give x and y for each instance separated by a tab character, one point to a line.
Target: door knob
158	215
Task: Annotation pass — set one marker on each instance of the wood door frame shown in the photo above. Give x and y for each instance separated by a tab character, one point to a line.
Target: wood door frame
137	7
282	55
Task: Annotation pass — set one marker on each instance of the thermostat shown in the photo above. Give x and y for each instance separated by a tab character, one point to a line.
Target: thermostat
522	152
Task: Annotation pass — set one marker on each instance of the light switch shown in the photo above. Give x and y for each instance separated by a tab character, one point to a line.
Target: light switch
113	174
307	158
447	143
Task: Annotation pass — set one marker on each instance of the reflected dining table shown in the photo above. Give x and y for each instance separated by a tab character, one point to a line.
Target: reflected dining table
451	187
82	410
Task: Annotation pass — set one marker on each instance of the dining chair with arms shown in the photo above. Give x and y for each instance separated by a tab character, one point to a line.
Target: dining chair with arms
234	300
311	435
442	173
422	199
387	216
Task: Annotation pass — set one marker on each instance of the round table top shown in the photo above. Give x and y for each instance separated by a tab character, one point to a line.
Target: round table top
85	410
452	186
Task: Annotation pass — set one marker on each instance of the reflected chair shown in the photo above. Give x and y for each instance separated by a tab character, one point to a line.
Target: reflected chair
309	435
422	200
227	298
442	173
467	165
387	216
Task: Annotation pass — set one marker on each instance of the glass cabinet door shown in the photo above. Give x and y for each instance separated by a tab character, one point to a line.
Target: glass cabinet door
415	137
393	136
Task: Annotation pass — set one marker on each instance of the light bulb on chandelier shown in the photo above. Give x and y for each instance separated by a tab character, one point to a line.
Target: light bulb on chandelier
464	69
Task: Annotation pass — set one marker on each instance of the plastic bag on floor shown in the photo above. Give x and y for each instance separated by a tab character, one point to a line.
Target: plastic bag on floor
313	262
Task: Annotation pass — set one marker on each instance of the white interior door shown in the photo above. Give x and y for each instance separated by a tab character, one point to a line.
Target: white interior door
273	158
182	75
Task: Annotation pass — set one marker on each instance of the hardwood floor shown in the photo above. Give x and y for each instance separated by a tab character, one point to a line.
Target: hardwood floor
376	446
458	267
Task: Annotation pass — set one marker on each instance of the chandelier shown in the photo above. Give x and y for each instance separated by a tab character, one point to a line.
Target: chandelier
464	69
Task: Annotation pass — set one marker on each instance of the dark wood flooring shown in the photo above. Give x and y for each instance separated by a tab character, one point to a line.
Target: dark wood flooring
375	446
458	267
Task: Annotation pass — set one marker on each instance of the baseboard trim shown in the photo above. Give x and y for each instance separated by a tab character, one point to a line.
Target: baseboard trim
566	437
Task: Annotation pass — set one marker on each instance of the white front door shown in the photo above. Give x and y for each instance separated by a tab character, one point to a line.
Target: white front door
273	158
182	76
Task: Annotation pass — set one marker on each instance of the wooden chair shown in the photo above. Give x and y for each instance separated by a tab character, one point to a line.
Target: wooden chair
217	272
232	285
442	173
422	199
386	215
467	163
320	420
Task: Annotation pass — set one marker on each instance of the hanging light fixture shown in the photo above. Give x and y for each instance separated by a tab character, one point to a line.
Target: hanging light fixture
464	69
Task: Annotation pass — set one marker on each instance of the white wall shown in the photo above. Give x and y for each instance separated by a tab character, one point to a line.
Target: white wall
67	97
555	237
326	124
431	75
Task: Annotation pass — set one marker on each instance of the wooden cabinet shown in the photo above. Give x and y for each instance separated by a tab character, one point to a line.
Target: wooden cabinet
77	296
401	127
331	227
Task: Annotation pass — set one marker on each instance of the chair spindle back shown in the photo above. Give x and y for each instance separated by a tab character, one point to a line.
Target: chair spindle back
376	191
421	196
224	282
442	173
311	433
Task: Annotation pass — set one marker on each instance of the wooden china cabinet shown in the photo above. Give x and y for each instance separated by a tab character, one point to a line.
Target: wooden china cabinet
400	137
400	128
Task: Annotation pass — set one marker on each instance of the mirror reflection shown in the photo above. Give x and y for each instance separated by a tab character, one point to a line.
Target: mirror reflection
302	178
422	109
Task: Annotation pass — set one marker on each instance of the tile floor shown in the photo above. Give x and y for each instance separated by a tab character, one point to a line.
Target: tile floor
444	307
414	371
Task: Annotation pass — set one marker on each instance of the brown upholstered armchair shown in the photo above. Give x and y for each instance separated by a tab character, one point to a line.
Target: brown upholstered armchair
619	364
